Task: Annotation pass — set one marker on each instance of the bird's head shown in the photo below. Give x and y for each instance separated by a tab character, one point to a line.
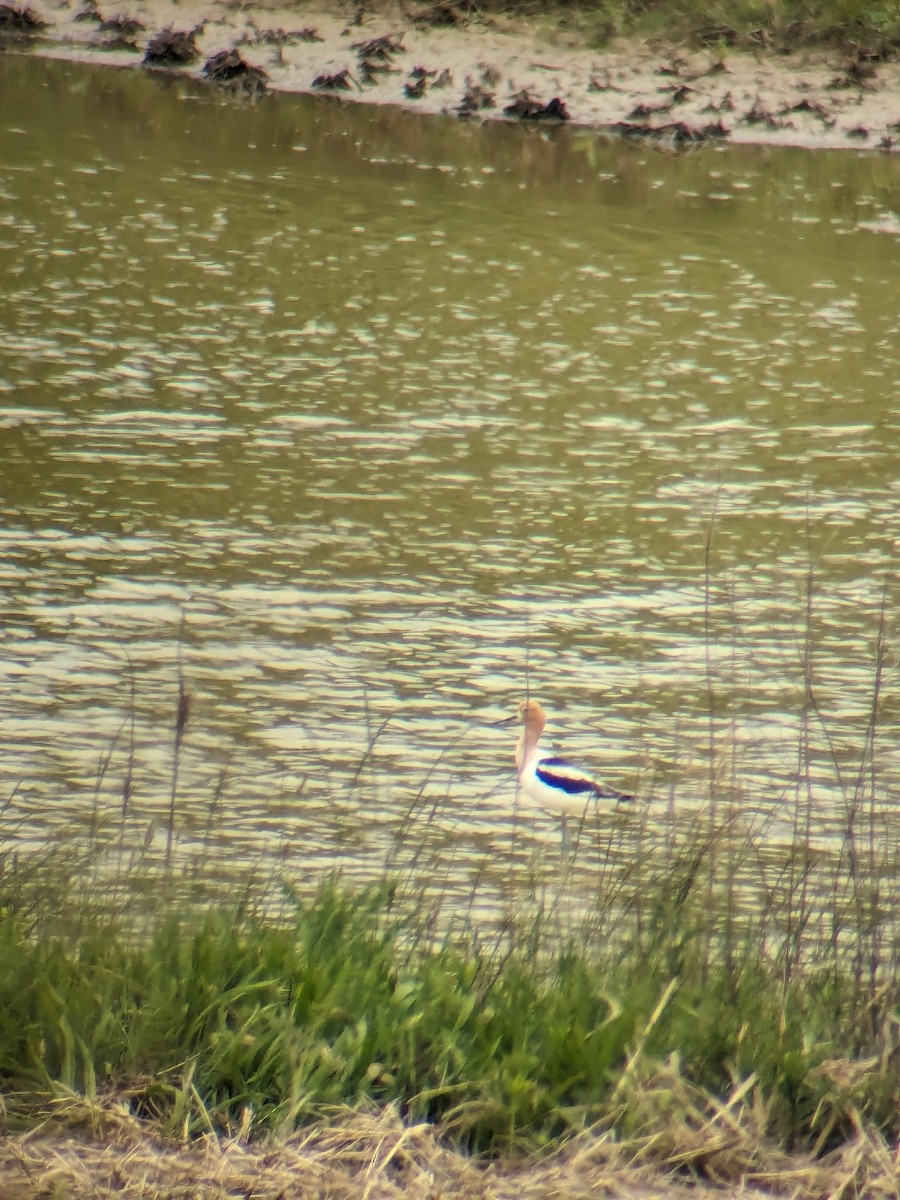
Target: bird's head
532	715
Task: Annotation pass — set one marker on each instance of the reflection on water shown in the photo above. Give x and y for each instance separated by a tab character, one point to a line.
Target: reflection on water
367	423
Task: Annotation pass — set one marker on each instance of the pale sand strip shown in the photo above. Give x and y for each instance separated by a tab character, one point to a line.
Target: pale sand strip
808	99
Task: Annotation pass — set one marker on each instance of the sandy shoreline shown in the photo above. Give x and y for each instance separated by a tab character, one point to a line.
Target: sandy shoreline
809	99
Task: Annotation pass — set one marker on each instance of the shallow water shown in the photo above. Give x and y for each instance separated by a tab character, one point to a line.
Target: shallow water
367	424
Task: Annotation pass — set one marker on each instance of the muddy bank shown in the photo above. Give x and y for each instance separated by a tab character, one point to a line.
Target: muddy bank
439	59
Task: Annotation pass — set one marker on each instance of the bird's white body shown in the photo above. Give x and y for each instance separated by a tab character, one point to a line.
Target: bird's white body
551	782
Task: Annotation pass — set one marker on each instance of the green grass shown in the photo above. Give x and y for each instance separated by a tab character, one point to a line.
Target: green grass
690	987
788	24
221	1020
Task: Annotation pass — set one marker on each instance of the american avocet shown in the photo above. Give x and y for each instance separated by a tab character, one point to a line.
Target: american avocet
554	783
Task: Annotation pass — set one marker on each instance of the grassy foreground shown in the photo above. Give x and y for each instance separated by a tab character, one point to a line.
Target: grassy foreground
725	1007
663	1049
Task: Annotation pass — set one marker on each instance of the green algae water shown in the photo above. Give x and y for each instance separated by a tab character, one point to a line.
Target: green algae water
364	425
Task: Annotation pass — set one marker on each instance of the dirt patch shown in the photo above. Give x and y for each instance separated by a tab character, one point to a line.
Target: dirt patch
444	59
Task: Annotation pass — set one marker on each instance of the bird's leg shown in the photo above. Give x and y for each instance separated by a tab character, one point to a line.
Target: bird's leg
564	834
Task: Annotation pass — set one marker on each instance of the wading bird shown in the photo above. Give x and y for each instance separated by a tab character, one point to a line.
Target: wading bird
554	783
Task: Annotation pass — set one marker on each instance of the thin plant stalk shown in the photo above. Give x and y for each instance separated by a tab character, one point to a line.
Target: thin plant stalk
710	693
182	715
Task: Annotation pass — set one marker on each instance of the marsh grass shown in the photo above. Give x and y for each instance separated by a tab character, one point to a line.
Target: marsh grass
871	29
714	1054
687	991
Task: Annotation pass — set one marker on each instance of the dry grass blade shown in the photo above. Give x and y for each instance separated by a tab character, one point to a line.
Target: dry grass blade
689	1130
359	1156
634	1061
867	1166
